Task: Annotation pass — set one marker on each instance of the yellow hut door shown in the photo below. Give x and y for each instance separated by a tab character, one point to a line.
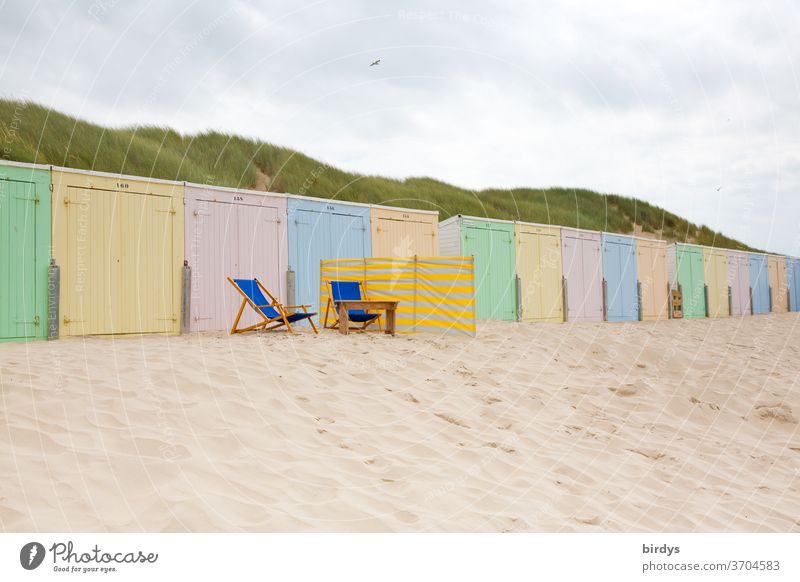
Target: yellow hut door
716	275
539	268
145	263
119	249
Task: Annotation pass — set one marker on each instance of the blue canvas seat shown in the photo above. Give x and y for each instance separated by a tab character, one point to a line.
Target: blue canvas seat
343	290
272	312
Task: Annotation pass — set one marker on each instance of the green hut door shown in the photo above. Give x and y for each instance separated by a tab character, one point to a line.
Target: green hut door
18	318
492	245
692	280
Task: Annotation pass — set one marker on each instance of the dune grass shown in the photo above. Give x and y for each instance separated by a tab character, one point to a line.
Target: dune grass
32	133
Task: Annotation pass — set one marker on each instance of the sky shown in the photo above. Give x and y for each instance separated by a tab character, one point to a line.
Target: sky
692	106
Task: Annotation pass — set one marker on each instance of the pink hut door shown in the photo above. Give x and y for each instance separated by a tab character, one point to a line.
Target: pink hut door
593	279
213	248
237	241
583	276
739	281
573	277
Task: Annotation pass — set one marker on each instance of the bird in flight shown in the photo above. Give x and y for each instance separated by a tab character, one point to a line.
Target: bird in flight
719	188
378	62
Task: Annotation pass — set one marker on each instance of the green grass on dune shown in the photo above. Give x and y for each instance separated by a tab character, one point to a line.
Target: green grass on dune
32	133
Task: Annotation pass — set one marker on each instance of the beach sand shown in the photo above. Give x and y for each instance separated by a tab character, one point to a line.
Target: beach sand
674	426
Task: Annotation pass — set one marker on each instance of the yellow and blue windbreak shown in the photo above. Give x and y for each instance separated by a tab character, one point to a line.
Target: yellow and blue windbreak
435	294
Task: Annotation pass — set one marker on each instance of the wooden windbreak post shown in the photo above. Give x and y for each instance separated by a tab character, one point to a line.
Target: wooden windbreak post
416	280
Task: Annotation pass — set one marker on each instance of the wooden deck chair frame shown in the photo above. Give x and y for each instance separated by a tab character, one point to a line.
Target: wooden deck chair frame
330	307
268	323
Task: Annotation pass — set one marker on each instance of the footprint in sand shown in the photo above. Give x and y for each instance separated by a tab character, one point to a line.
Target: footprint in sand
779	412
652	455
594	520
407	517
503	448
452	420
627	390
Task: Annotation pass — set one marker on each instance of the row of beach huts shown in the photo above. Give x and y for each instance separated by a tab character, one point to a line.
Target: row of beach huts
92	253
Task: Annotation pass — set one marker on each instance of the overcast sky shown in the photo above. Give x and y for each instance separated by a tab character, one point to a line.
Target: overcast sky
668	102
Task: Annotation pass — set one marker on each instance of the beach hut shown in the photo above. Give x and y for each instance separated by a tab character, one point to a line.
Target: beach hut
793	282
776	266
583	274
491	243
759	282
232	233
322	229
739	282
715	272
24	250
538	263
685	270
651	268
119	243
620	280
400	232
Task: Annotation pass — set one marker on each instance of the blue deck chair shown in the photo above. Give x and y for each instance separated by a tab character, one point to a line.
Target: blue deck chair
271	311
339	290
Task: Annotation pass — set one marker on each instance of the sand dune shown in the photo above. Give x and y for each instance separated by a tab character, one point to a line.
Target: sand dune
672	426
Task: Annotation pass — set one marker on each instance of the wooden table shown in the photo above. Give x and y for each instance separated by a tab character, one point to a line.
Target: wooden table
345	305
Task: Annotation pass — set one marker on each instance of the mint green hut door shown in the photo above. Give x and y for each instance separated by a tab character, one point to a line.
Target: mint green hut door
692	280
24	252
492	245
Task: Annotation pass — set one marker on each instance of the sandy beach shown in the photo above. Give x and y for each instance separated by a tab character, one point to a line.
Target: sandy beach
678	426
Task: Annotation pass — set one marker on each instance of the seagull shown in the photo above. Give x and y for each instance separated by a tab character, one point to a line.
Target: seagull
719	188
378	62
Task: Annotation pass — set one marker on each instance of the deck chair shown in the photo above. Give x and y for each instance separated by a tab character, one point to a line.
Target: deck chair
271	311
338	290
